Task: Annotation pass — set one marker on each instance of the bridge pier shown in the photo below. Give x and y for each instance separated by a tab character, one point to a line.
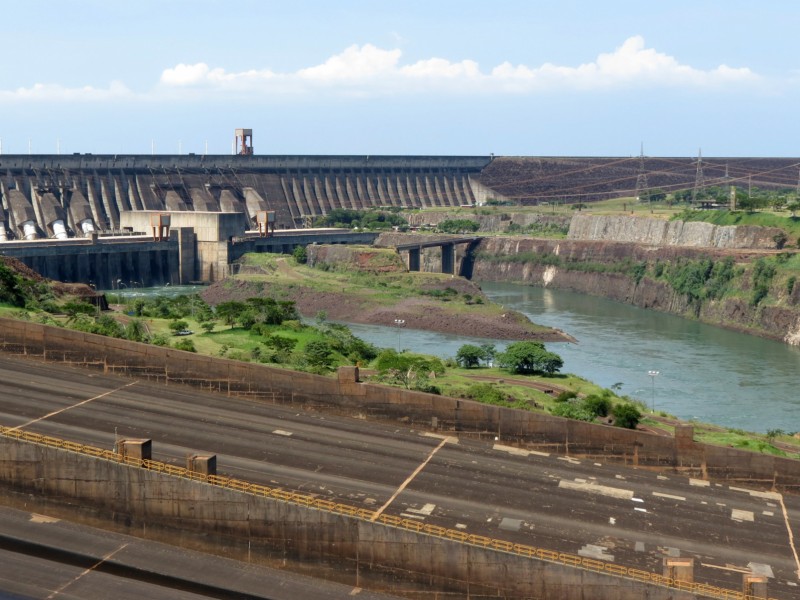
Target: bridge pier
414	259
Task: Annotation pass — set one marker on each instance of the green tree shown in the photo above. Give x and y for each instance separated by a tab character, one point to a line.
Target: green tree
406	368
458	226
208	326
599	406
318	354
136	331
300	255
627	415
178	326
469	356
186	345
530	357
230	311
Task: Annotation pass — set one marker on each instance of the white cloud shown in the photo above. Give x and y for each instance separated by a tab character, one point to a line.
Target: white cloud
355	63
630	64
47	92
371	71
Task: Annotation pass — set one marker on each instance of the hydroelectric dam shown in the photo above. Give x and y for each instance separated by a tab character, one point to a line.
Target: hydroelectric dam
152	220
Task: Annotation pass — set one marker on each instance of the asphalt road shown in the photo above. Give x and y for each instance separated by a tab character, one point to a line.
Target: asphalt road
43	557
610	512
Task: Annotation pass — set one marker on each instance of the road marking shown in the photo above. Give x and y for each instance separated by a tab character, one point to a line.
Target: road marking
757	494
518	451
768	513
699	483
669	496
86	572
282	432
439	436
37	518
741	515
612	521
637	500
410	478
593	488
570	460
791	535
425	510
725	568
66	408
644	510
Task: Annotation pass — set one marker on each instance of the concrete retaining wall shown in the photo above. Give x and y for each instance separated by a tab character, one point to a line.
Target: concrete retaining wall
365	550
450	415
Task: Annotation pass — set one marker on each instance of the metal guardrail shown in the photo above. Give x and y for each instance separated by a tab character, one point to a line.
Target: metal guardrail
570	560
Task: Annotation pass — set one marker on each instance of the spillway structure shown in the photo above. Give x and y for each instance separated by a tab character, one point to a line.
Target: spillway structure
58	196
139	220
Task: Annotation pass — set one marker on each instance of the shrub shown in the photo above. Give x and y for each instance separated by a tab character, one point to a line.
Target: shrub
485	393
566	396
599	406
185	344
627	415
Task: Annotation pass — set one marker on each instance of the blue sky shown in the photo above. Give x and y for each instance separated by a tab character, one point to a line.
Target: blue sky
567	78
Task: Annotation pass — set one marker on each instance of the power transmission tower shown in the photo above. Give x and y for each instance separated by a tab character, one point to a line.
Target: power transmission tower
642	187
699	179
797	191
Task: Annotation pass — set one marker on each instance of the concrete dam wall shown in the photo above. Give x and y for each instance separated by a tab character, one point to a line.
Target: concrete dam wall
63	196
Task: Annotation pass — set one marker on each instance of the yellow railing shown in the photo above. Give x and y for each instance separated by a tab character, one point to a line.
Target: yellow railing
238	485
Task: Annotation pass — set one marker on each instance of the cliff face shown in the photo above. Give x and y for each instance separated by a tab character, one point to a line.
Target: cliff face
563	264
657	232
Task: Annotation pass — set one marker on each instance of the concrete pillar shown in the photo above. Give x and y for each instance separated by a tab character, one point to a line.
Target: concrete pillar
136	448
203	464
186	254
754	586
448	258
347	374
414	259
679	569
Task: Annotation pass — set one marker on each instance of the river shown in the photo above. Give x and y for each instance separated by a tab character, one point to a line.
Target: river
704	372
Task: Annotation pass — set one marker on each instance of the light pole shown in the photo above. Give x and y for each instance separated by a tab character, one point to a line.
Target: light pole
400	324
653	375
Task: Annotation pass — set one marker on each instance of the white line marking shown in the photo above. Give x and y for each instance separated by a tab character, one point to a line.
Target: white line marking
570	460
410	478
637	499
644	510
593	488
87	571
768	513
81	403
699	483
669	496
282	432
756	493
791	536
425	510
741	515
448	438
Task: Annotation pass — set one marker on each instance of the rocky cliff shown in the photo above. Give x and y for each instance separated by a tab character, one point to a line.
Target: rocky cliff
638	274
658	232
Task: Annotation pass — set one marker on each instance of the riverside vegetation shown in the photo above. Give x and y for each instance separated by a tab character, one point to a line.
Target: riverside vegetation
260	329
